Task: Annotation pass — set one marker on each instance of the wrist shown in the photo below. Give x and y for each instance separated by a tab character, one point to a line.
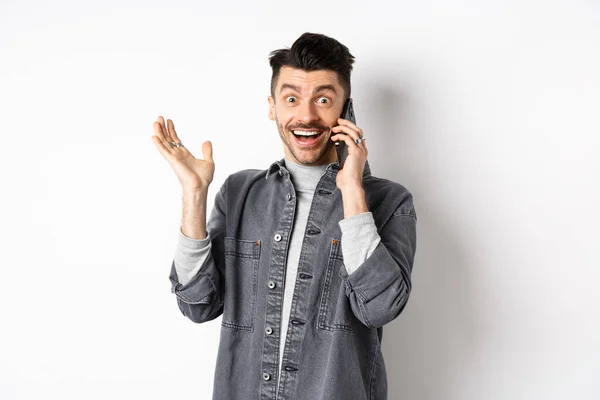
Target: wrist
353	189
198	191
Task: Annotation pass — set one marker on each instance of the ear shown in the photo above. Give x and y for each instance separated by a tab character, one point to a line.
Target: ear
271	108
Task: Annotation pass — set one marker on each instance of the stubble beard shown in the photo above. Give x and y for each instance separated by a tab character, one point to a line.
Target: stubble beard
299	155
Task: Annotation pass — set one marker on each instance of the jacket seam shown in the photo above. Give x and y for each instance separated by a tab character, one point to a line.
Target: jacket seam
363	311
404	214
372	380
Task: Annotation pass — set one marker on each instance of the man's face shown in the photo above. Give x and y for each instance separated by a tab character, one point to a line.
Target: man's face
305	106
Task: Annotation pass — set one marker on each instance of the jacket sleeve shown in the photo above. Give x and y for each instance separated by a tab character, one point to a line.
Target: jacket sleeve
201	299
379	288
190	256
359	239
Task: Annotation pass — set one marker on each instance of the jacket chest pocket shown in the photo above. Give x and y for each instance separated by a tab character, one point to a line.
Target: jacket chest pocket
334	308
241	275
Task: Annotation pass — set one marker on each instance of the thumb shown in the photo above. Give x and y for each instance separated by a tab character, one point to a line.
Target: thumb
207	151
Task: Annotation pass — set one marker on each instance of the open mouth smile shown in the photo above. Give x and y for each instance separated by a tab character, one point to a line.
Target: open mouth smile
307	138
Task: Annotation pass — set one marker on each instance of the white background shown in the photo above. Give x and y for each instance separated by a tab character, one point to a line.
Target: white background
488	112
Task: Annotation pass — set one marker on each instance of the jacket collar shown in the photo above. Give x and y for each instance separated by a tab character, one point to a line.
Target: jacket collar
334	167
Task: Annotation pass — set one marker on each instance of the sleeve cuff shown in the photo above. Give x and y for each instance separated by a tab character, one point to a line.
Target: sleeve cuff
190	256
357	222
359	240
193	244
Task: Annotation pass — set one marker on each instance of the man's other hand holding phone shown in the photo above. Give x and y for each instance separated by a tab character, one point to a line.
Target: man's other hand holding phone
349	178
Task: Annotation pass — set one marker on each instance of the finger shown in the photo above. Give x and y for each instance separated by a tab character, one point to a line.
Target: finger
158	130
349	132
344	128
162	148
351	125
160	134
172	131
353	133
363	144
352	146
161	121
207	151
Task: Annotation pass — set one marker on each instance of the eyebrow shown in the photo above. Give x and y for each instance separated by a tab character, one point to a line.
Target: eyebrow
297	89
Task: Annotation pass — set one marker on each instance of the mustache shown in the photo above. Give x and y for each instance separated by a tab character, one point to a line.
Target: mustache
309	127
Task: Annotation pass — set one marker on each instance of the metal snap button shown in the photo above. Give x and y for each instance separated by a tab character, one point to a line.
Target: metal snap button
271	284
269	330
266	376
289	196
277	237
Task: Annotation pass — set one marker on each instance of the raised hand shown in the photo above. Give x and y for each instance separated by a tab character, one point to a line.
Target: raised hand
350	178
193	173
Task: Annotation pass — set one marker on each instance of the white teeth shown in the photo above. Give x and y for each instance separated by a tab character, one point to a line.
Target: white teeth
306	133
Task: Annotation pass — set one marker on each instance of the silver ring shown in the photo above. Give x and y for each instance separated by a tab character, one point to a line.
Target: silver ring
173	144
358	141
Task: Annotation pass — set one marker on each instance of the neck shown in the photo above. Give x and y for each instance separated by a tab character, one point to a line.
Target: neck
305	177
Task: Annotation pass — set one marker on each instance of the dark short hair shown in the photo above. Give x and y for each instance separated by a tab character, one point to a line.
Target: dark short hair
313	52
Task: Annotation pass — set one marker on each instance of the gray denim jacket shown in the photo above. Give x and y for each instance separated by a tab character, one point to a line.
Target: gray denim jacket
333	344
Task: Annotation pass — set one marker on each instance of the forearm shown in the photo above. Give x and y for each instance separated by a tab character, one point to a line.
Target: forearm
196	275
355	201
193	223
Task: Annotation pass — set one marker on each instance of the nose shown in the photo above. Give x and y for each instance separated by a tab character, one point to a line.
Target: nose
306	112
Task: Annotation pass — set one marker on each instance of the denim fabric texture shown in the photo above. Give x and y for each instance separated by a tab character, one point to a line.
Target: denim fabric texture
335	331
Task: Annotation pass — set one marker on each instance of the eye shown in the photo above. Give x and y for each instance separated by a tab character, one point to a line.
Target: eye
323	100
290	99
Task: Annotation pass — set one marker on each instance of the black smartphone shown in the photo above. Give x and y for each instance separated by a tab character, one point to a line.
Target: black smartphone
341	147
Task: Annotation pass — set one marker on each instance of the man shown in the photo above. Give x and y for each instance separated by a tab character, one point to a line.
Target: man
304	261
